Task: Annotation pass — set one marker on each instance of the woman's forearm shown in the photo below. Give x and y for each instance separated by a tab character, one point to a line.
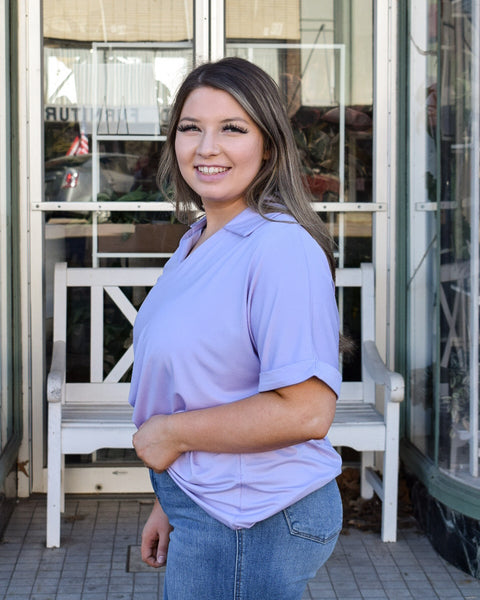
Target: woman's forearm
266	421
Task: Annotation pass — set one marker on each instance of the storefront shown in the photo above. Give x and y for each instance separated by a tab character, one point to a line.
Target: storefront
441	222
108	79
374	98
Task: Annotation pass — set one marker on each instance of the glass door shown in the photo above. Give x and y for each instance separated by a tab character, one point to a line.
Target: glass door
444	223
321	56
110	74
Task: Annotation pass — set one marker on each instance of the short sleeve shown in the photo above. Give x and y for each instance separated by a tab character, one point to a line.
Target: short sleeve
293	314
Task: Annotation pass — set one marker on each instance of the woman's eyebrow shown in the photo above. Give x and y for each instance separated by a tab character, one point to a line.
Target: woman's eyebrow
234	119
227	120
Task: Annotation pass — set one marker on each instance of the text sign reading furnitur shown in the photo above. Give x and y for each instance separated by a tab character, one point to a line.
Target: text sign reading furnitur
86	416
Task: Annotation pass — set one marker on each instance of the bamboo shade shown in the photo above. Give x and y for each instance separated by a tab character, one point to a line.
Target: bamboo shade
118	20
263	19
165	20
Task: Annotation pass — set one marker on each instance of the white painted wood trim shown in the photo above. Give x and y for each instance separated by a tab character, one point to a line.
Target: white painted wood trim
120	479
384	171
96	333
30	123
122	302
121	367
217	29
134	276
201	37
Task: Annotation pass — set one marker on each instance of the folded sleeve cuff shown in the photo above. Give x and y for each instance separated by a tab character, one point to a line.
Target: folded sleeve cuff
298	372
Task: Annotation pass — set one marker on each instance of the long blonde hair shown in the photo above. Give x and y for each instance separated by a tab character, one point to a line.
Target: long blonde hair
278	186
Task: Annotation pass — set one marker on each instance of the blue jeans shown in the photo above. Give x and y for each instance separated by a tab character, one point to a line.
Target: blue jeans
273	560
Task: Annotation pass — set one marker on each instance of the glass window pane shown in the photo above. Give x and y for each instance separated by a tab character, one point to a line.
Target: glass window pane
457	180
443	241
111	69
320	52
321	55
422	235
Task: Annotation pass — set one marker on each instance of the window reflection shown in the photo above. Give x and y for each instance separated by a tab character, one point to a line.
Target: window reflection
111	69
320	54
109	83
442	246
458	437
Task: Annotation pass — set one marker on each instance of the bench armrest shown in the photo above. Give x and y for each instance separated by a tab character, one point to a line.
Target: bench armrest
380	374
56	376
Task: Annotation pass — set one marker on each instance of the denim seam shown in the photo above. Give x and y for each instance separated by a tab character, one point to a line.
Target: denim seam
238	565
308	536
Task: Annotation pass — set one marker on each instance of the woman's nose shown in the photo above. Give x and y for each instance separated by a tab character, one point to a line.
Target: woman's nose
208	144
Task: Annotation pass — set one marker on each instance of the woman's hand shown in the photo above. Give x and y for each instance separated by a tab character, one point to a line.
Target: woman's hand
156	537
155	445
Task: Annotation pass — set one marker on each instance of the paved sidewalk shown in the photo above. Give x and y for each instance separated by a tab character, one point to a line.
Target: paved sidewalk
99	560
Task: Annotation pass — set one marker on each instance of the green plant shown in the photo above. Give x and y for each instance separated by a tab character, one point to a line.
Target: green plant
138	195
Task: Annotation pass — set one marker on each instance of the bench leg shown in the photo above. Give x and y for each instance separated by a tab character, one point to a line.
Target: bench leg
62	483
390	493
54	475
367	459
391	463
389	506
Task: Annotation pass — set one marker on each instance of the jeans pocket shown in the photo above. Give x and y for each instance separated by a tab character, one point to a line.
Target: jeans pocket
318	516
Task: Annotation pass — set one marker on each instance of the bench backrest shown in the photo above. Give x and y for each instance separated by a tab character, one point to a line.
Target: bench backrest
364	279
108	282
102	283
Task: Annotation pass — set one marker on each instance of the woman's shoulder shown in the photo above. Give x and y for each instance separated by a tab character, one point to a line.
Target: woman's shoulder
283	230
282	240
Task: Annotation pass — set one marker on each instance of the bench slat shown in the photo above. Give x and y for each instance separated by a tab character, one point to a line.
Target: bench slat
127	277
357	412
351	391
97	416
95	393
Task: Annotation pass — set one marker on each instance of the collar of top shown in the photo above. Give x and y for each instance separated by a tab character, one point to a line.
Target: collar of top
243	224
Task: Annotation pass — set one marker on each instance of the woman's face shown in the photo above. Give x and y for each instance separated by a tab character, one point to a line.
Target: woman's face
219	148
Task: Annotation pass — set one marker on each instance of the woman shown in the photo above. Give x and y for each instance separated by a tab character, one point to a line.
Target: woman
236	354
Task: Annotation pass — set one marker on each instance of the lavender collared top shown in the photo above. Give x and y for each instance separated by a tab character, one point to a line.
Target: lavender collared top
251	309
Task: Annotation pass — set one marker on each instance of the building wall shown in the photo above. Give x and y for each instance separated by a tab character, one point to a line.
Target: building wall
10	338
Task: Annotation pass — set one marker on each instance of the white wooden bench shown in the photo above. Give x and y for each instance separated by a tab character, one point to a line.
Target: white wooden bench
358	423
85	417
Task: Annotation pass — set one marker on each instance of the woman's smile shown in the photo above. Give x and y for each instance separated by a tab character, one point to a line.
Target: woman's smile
219	148
206	170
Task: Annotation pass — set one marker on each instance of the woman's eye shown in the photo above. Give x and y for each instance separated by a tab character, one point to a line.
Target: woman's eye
234	128
187	127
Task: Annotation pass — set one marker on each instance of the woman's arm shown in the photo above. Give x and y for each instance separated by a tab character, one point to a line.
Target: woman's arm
265	421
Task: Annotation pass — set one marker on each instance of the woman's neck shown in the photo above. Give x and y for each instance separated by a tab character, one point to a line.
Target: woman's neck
216	218
219	215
